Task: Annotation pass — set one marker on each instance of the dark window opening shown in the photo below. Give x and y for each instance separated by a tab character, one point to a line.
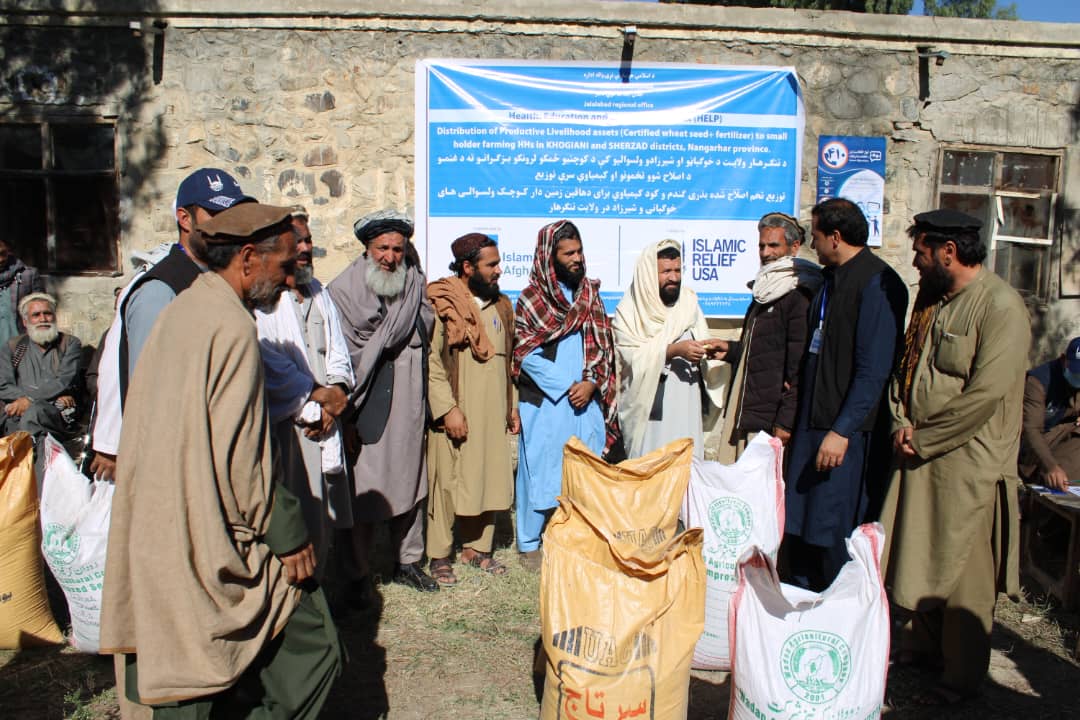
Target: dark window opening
59	196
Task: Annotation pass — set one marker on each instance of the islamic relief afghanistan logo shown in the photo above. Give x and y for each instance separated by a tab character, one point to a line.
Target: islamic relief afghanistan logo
60	544
816	665
731	520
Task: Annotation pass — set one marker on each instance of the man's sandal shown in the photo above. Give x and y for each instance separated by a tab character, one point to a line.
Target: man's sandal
442	570
483	561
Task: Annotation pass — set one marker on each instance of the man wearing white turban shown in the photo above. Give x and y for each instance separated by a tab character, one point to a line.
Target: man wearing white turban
665	356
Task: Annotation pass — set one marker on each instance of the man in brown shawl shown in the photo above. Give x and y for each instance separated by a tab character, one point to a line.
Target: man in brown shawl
208	554
473	405
386	320
950	512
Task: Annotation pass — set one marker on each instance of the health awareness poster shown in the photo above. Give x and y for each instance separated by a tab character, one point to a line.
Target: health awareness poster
854	168
696	153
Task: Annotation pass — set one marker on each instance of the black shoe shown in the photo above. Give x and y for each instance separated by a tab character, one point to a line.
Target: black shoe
413	576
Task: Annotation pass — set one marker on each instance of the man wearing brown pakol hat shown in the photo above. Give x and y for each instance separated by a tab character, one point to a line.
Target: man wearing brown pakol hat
473	405
950	513
205	588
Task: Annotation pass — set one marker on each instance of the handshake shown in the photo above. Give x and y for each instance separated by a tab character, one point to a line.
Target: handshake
697	350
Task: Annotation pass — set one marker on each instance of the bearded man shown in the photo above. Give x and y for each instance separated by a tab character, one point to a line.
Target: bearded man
564	365
766	359
664	350
473	406
206	591
39	372
956	402
308	374
387	320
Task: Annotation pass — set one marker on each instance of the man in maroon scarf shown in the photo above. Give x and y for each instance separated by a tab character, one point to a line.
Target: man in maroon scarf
566	380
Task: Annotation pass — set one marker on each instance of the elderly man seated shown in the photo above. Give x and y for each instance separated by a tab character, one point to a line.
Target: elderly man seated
38	372
1050	441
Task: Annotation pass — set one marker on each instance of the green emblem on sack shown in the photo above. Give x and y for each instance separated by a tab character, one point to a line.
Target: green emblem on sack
59	544
815	665
731	521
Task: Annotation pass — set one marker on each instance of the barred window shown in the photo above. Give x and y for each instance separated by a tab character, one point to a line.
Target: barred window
59	197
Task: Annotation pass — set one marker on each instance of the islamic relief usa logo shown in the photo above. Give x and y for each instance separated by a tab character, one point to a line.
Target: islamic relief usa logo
731	520
815	665
60	543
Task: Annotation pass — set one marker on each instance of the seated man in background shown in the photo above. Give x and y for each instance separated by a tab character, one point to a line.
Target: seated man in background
38	372
1050	440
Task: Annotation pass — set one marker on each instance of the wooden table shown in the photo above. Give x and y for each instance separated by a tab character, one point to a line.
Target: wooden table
1042	561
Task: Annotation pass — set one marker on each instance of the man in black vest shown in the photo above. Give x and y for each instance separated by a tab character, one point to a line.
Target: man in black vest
202	194
856	325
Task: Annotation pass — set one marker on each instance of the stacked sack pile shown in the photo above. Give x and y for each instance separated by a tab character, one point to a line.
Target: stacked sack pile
628	604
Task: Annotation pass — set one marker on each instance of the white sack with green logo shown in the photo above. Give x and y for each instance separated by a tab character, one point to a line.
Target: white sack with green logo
737	506
799	655
74	535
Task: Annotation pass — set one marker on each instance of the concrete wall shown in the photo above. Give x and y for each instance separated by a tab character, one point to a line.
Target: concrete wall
313	102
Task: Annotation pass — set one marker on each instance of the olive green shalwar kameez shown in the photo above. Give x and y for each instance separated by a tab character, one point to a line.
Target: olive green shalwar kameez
951	513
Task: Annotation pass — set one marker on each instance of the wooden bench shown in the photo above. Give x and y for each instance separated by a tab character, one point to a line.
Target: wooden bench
1054	564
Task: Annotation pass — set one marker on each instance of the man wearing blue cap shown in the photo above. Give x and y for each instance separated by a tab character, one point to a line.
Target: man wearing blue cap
202	194
950	514
1050	444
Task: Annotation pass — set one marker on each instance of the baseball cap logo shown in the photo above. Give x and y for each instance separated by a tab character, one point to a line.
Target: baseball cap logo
215	183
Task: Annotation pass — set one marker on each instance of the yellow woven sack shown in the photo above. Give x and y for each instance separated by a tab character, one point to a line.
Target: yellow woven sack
622	597
25	618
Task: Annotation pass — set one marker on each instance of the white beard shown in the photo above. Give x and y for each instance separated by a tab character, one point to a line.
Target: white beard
386	284
43	334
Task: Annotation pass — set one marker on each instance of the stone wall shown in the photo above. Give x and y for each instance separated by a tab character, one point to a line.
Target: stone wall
313	102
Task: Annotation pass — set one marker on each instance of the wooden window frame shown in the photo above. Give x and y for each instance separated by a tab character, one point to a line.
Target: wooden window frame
49	174
995	192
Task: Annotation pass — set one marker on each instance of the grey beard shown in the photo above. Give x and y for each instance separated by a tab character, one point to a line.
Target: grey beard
43	335
304	274
263	294
386	284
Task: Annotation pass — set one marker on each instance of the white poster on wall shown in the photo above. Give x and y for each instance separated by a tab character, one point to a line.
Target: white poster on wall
696	153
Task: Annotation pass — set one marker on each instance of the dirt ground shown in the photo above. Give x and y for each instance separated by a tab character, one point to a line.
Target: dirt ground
467	653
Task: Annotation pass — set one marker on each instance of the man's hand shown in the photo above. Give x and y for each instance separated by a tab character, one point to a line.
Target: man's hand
332	399
831	452
581	393
514	426
718	350
781	434
1056	478
321	428
103	467
16	408
457	427
902	442
65	401
299	564
692	350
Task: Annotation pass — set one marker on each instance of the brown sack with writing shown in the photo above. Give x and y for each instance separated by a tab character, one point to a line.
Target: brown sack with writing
622	597
25	618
